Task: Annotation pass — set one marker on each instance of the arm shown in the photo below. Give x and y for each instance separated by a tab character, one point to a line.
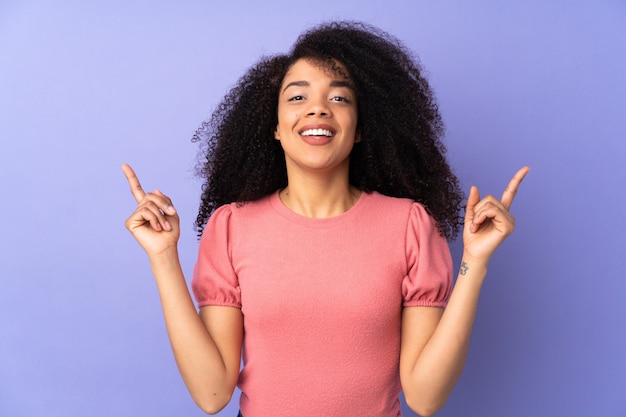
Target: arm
207	347
435	342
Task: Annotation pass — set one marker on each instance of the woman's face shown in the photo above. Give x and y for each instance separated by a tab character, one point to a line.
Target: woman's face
317	119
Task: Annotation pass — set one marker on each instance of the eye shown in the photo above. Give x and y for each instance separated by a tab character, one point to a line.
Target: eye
296	98
340	99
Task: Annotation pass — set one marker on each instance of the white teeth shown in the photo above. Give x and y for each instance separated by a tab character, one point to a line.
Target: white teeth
317	132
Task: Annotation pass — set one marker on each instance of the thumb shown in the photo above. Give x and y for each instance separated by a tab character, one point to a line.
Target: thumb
472	200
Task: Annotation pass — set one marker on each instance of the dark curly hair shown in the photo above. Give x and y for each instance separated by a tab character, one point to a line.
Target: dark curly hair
400	153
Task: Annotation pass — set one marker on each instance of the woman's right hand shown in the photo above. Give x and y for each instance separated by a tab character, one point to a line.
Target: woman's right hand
155	223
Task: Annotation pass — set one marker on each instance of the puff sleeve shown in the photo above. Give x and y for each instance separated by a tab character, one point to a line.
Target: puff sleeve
214	279
429	278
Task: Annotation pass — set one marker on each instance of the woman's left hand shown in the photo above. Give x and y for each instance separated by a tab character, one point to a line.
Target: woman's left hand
488	221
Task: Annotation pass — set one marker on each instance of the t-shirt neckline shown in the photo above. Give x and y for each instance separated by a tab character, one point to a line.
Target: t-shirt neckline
281	209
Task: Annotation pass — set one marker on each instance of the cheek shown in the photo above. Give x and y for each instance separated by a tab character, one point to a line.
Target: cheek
287	116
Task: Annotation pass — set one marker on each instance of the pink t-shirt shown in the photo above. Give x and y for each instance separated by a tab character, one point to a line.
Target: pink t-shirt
322	300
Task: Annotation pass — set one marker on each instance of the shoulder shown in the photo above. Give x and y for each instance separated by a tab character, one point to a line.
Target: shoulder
405	212
393	204
374	197
244	209
242	215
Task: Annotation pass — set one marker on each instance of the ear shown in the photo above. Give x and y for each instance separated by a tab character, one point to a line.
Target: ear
357	137
276	134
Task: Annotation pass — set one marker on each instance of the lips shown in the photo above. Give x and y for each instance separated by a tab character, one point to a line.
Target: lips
317	130
318	134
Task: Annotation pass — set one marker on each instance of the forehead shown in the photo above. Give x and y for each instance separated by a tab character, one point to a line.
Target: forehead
306	68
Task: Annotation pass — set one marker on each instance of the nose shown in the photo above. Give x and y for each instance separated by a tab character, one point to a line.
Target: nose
319	107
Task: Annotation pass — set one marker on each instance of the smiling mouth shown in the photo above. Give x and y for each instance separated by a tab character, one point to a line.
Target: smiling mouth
317	132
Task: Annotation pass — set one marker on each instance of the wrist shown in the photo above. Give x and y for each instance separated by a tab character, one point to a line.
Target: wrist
168	256
477	261
473	267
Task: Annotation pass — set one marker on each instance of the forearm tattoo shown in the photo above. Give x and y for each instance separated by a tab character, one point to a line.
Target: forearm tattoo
464	267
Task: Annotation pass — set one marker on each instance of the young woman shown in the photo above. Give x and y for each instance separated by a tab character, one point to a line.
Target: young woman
323	256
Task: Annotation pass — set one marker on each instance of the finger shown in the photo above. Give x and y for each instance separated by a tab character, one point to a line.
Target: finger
133	181
168	206
160	217
487	200
472	200
161	208
154	217
511	189
493	211
150	213
141	218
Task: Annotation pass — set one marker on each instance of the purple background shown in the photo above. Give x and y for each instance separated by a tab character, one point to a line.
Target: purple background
86	86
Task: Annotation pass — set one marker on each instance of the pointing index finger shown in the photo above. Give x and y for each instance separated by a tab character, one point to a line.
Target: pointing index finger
133	181
511	189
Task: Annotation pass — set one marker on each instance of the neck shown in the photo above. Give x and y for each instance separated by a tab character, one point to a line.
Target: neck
319	197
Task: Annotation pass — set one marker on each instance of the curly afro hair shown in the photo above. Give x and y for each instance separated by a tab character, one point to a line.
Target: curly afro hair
400	153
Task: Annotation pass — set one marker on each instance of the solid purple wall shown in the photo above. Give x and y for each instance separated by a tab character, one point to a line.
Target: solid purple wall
86	86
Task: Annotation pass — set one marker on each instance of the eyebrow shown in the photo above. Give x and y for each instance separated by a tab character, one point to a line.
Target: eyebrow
334	83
